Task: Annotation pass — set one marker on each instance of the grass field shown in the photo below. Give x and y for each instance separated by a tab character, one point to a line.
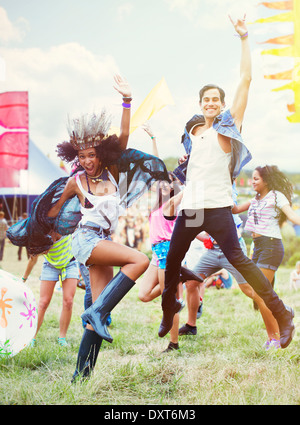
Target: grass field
225	364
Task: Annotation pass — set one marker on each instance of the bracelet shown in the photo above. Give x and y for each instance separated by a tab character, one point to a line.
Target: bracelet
129	99
243	35
153	137
24	279
126	105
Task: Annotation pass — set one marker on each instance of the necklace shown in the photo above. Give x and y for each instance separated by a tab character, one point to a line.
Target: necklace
103	176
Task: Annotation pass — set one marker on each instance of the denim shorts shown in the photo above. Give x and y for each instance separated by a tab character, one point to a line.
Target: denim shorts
161	250
49	272
268	252
84	241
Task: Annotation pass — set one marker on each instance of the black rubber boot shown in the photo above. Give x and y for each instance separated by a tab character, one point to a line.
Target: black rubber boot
87	355
96	315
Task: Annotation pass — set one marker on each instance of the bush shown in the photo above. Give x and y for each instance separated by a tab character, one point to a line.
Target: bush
291	249
293	259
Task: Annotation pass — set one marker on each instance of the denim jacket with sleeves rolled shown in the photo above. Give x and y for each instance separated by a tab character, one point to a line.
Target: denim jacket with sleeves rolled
223	124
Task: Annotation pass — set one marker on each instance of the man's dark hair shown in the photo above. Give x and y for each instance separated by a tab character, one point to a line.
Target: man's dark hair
212	86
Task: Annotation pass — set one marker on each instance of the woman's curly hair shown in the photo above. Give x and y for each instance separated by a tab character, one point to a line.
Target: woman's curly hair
87	130
276	180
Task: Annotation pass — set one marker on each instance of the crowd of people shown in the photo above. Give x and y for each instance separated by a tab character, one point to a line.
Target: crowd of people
95	220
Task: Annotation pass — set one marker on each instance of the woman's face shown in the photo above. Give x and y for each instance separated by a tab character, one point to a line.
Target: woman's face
165	187
89	161
259	185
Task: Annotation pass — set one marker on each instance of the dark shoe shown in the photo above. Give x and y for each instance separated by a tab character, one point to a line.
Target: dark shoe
172	346
167	320
187	274
98	313
187	330
286	327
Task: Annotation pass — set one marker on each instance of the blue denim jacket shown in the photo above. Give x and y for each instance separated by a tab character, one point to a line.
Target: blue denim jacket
223	124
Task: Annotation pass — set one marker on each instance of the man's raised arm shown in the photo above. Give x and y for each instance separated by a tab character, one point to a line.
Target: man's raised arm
241	96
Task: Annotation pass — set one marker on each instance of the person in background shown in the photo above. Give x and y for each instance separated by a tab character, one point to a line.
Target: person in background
267	211
161	223
59	265
295	277
222	279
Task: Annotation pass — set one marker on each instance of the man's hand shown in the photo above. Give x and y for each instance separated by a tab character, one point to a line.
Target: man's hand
239	25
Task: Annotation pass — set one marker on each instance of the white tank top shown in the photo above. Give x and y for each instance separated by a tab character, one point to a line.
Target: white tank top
105	209
208	182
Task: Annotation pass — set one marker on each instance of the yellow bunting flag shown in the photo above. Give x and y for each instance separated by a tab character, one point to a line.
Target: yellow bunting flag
159	97
285	39
285	75
282	17
292	49
283	5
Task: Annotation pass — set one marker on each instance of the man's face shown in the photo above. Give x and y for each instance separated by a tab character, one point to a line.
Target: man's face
211	104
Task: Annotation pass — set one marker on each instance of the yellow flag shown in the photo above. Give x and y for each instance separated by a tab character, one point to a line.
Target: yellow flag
284	51
159	97
283	17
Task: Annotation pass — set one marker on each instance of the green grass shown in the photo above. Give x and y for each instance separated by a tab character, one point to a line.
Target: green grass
225	364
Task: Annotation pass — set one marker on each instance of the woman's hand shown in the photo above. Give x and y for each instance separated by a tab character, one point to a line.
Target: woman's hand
148	129
122	86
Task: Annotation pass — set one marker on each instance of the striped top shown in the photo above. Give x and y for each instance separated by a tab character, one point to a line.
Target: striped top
60	254
262	216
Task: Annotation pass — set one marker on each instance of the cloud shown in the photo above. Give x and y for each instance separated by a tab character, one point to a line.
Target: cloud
64	80
10	32
193	10
123	11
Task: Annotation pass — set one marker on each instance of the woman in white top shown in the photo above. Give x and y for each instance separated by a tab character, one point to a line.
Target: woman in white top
266	213
98	189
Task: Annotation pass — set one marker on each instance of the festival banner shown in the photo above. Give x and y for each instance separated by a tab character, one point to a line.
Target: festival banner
283	5
292	49
14	128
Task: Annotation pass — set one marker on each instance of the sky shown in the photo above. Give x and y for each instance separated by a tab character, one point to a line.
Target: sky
66	52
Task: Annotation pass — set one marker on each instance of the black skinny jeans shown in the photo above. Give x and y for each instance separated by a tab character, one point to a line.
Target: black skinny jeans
219	223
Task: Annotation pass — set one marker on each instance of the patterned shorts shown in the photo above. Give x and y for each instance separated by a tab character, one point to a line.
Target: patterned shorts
161	250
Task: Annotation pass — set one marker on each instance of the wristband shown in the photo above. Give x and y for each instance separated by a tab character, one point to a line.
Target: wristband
242	36
24	279
128	99
126	105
